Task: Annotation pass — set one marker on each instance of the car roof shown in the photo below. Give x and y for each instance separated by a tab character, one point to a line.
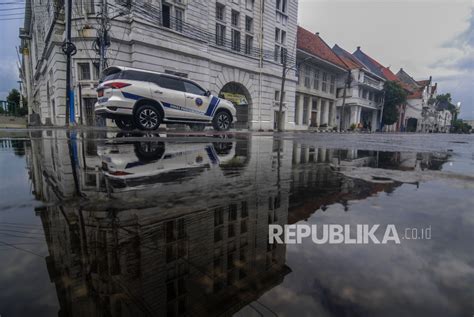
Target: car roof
123	68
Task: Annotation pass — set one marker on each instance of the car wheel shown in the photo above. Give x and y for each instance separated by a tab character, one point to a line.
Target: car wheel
147	118
222	121
197	127
149	151
125	124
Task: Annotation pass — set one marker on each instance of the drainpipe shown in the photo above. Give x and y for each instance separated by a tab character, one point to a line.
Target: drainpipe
26	61
260	67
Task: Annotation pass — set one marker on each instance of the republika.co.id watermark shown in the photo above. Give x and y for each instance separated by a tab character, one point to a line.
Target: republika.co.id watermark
344	234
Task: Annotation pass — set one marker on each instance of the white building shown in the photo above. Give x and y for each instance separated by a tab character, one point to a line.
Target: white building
228	46
420	113
321	71
364	97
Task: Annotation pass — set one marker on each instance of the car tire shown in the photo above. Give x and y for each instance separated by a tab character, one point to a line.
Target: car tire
147	118
125	124
149	151
222	120
197	127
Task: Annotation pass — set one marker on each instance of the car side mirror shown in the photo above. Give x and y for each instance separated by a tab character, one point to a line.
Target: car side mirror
207	94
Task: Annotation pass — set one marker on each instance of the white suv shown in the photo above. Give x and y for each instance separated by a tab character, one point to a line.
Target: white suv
136	98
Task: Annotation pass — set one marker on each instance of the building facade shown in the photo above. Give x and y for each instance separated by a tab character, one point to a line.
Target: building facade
320	72
361	103
231	47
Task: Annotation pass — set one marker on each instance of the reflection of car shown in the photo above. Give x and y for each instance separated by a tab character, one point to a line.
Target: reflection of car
143	162
144	99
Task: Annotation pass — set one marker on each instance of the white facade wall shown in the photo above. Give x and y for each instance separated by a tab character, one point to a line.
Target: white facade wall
141	43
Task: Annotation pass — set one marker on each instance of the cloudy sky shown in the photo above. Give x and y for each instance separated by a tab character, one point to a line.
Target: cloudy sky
424	37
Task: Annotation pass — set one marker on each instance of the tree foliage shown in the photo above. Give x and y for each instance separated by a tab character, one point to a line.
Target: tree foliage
14	107
395	95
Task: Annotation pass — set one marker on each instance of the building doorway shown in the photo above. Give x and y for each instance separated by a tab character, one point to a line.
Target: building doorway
89	110
412	124
240	97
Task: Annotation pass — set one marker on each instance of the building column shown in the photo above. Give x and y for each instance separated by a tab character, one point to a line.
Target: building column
325	112
318	114
300	109
354	112
332	119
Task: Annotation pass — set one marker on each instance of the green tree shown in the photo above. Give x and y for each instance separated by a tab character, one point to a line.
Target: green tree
14	107
395	95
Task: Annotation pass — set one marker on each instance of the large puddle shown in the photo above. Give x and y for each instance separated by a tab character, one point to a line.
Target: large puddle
130	225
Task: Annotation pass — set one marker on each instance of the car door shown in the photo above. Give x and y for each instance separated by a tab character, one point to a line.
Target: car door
197	101
169	91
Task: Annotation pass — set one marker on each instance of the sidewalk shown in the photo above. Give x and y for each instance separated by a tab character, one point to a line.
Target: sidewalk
13	122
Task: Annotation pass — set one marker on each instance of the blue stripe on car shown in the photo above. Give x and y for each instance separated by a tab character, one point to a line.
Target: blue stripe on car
212	105
131	96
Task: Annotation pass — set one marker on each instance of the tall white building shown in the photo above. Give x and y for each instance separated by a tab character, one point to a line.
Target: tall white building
231	47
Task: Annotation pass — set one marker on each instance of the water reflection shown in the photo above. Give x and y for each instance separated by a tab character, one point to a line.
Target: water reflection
146	225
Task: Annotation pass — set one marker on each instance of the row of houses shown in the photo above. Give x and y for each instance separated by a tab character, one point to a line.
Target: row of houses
237	50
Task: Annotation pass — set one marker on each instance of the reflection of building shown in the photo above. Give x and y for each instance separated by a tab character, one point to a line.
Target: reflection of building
192	244
236	49
190	247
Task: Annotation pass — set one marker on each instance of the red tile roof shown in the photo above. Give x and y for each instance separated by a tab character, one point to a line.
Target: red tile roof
424	82
315	45
417	94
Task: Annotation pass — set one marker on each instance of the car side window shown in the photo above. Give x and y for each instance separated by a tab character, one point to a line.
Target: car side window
194	89
169	83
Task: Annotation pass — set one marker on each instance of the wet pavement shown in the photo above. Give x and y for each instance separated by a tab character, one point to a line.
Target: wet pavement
98	223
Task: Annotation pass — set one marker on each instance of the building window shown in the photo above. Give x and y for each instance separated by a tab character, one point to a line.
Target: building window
248	24
179	13
281	5
332	86
316	79
277	35
283	37
235	18
307	79
277	95
249	4
276	53
220	12
84	70
235	40
220	34
325	82
248	44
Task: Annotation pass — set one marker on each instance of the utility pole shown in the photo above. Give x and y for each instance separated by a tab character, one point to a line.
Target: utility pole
103	37
70	50
282	89
347	85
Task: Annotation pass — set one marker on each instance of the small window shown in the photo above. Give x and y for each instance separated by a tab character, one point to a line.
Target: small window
194	89
249	4
84	71
220	34
171	83
220	12
235	18
179	19
248	44
235	38
248	24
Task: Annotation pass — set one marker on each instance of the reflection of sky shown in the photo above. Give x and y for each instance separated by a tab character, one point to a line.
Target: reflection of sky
24	282
432	277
